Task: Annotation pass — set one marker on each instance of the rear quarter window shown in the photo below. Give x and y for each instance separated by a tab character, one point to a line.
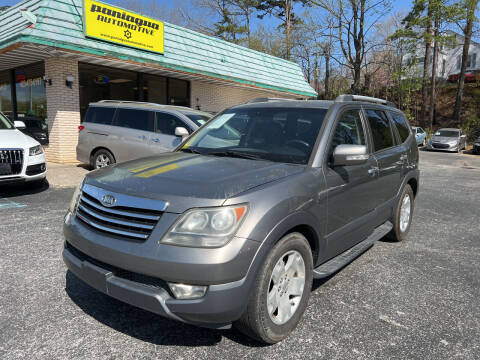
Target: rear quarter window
100	115
401	125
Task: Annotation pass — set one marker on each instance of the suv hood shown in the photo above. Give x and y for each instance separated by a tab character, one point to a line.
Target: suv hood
189	180
14	138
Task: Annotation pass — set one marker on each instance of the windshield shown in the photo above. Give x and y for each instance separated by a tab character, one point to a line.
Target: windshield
447	133
197	118
5	124
274	134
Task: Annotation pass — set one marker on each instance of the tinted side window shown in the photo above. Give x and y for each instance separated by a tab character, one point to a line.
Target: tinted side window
100	115
166	123
348	130
135	119
380	126
402	125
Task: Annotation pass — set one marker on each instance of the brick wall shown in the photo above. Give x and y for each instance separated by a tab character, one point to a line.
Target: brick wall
214	97
63	110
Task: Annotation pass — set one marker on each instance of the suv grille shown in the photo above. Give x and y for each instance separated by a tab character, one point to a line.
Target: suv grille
122	221
11	162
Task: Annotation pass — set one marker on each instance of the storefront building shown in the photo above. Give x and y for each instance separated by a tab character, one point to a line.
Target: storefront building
57	56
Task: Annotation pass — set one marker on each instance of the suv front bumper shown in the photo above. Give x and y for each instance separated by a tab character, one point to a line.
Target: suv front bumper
110	266
34	168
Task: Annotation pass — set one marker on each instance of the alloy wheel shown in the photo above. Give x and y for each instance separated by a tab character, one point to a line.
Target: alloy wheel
101	161
286	287
405	210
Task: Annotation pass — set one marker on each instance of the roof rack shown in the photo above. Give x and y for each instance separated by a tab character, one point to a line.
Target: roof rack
144	103
129	102
346	97
267	99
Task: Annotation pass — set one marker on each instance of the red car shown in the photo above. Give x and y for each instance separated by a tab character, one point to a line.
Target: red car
470	76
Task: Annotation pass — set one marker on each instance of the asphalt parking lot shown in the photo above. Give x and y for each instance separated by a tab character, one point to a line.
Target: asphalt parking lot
419	299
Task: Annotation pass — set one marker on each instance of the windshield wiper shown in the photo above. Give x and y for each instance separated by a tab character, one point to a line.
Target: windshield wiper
235	154
190	150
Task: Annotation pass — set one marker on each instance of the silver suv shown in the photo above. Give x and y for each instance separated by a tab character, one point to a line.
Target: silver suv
117	131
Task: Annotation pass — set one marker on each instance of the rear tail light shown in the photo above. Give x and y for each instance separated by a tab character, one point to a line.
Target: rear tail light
80	128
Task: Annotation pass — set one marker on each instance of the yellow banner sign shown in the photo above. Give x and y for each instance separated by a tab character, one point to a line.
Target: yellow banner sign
109	23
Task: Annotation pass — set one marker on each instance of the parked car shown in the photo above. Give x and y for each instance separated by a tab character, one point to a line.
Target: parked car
21	157
234	225
470	76
37	128
420	135
448	139
476	146
117	131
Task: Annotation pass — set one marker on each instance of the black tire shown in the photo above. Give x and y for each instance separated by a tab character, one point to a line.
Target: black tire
256	321
94	163
397	234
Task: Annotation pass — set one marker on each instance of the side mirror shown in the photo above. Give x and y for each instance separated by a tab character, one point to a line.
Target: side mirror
346	155
181	132
19	124
463	136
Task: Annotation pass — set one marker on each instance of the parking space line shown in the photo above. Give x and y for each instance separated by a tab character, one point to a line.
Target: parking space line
9	204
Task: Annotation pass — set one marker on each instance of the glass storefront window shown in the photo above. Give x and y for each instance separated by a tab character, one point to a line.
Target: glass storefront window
155	89
5	94
31	93
105	83
178	92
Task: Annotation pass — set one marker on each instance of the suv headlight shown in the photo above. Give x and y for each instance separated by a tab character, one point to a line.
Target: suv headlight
36	150
76	197
206	228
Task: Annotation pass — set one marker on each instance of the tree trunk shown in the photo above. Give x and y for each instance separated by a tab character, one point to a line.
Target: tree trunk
426	65
288	15
466	46
247	17
434	77
356	78
327	76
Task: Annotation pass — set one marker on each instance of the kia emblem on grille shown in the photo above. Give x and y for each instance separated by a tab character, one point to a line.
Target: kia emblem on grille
108	200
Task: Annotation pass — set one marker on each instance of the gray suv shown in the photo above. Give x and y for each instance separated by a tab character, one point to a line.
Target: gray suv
233	226
117	131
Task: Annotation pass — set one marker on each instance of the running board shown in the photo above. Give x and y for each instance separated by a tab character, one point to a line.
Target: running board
351	254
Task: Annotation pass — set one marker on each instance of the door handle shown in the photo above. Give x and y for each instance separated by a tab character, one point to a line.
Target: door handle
373	171
156	140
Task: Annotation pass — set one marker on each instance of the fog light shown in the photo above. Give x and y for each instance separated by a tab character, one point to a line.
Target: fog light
182	291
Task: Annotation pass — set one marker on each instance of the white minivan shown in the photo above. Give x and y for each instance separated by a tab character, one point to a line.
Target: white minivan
21	157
